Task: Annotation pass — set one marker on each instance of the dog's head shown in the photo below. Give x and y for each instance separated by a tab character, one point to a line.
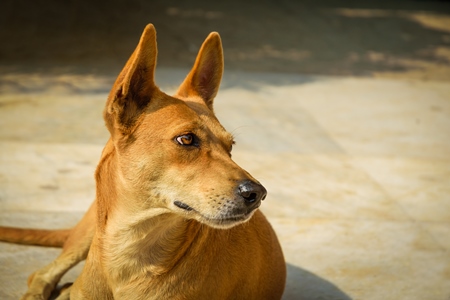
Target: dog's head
172	153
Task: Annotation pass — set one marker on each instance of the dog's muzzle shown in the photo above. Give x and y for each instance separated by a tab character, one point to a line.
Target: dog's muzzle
247	197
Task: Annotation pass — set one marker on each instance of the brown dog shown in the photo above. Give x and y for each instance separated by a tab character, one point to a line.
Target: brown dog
174	216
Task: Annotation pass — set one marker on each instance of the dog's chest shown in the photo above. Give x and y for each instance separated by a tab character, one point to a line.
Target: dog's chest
164	267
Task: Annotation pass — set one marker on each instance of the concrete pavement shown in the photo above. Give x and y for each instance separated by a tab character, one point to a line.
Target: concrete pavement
357	165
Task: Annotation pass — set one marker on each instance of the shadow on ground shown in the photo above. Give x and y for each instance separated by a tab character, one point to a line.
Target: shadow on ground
307	37
304	285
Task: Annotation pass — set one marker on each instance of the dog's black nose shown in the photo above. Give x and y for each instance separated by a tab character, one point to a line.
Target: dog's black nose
252	193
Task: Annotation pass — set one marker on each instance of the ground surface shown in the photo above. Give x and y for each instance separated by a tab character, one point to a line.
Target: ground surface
341	109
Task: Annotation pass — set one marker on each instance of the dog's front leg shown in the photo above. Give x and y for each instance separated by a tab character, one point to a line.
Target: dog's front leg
42	282
75	249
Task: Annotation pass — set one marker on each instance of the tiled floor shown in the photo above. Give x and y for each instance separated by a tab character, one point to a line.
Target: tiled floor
357	168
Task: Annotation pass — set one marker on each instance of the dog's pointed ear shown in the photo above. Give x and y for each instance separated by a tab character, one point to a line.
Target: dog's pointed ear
135	84
204	78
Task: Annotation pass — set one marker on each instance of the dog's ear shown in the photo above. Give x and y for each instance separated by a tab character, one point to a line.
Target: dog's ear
204	78
134	86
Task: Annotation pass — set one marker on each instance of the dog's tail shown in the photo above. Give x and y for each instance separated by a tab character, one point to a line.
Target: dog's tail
39	237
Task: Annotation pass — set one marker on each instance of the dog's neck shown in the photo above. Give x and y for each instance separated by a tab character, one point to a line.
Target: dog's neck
150	241
150	245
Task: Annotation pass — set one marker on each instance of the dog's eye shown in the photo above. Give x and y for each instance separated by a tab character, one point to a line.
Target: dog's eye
231	146
186	139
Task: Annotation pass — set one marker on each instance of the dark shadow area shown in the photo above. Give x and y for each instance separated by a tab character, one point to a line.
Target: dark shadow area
304	285
307	37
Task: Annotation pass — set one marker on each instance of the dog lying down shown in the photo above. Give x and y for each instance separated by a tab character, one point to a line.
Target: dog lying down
174	217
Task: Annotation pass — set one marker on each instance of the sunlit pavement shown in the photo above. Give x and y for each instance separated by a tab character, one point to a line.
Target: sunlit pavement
357	166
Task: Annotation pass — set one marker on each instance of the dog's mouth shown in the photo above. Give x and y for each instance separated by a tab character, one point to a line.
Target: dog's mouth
229	221
226	221
182	205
